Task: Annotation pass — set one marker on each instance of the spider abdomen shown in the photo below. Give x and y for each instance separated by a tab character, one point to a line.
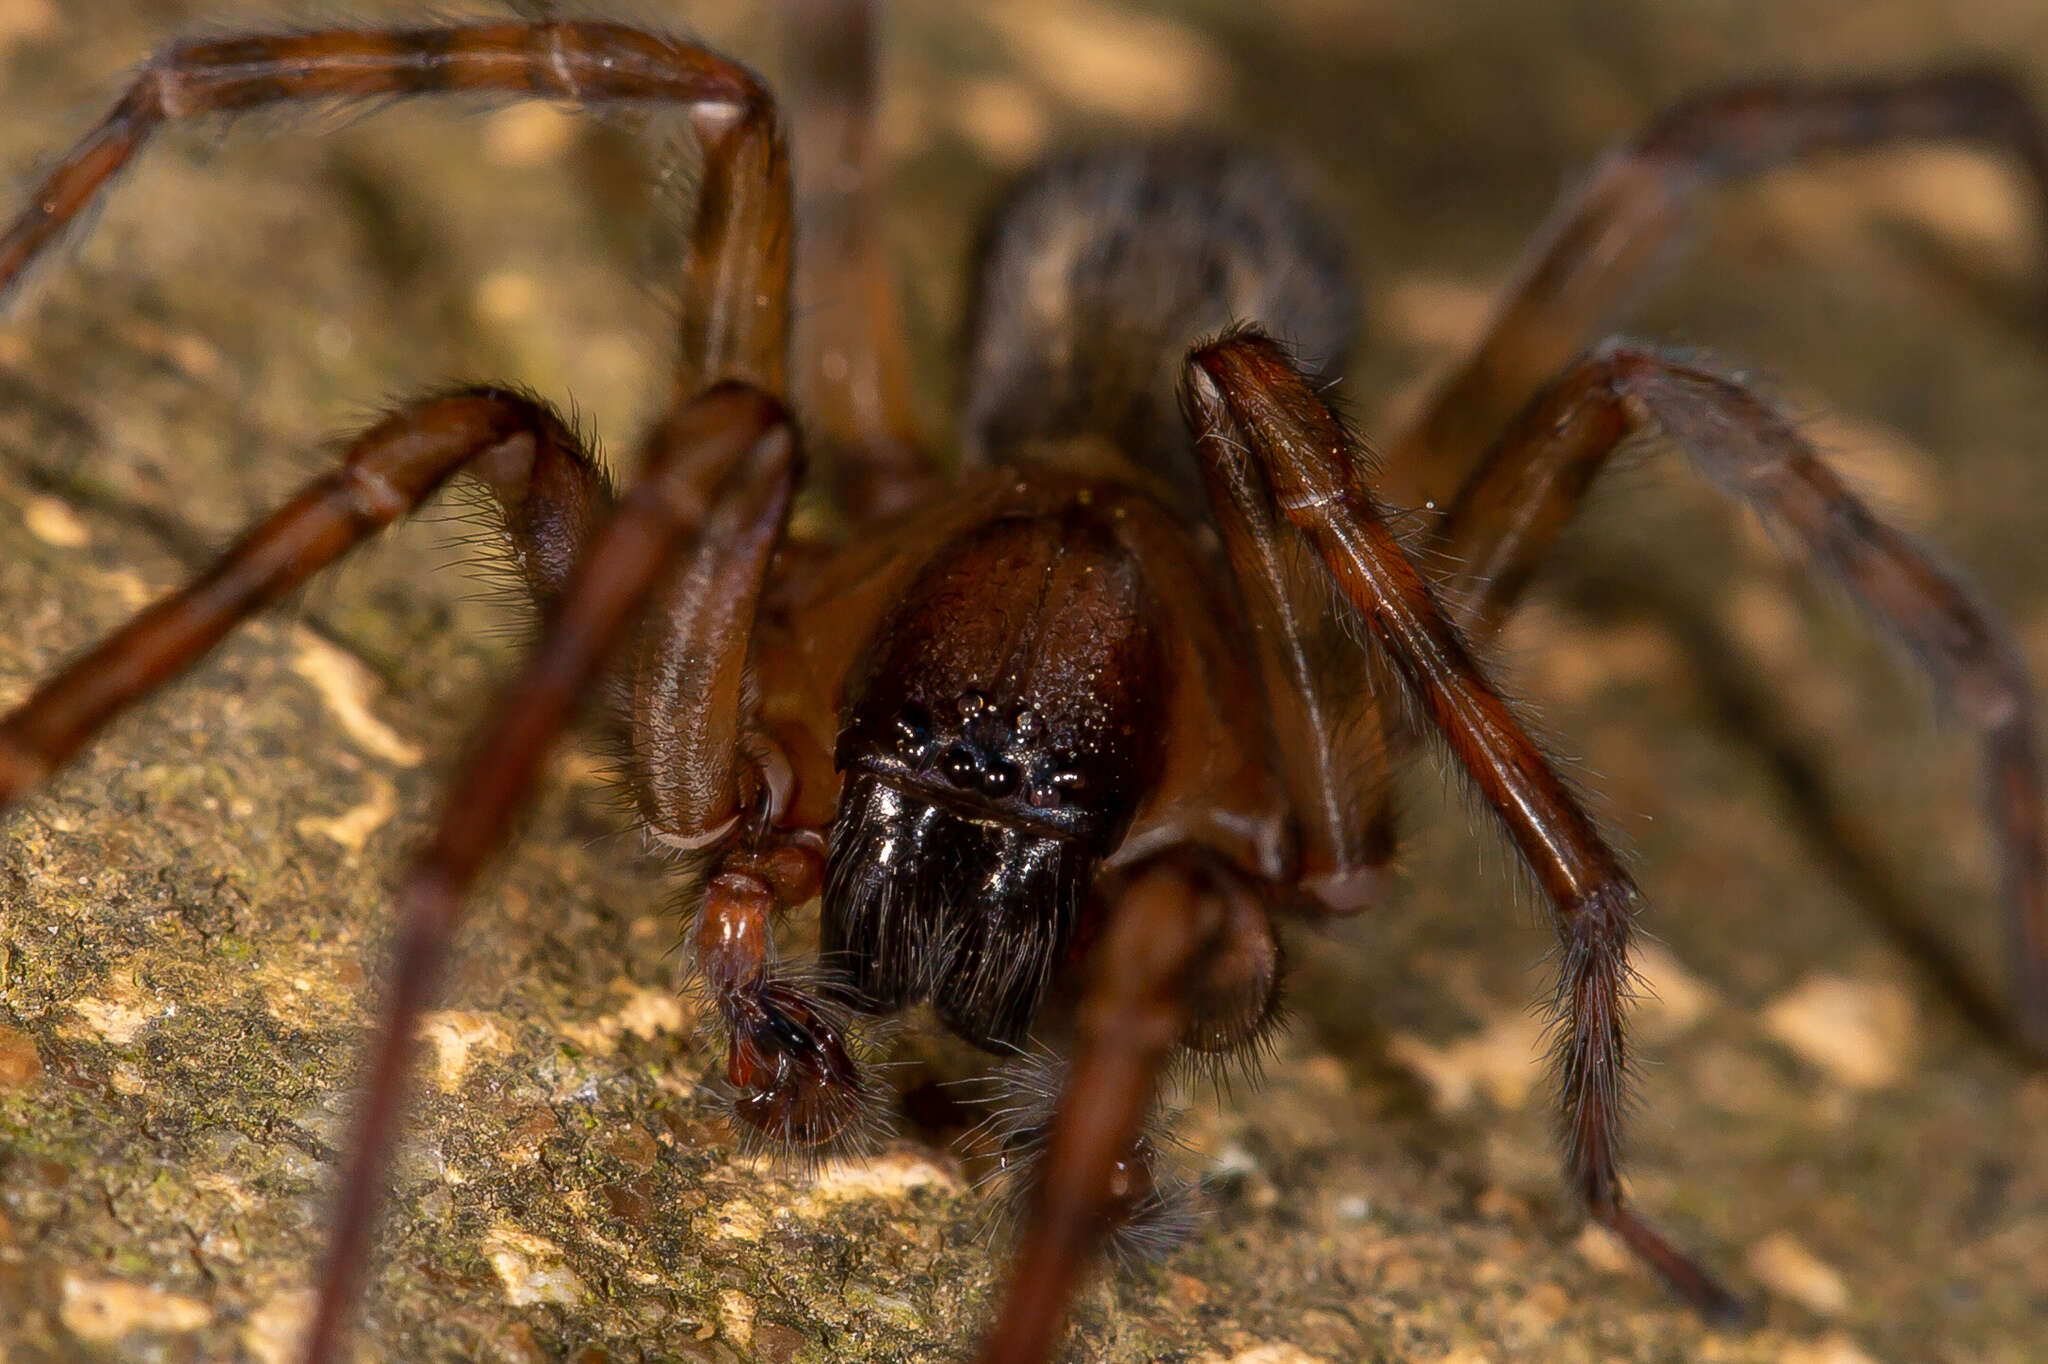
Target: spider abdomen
998	735
1101	269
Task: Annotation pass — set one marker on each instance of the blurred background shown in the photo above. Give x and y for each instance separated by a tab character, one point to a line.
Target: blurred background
192	921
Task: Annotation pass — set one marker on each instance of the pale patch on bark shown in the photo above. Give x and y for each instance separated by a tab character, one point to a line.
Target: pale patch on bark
105	1310
531	1268
352	827
1504	1063
1859	1032
346	687
457	1036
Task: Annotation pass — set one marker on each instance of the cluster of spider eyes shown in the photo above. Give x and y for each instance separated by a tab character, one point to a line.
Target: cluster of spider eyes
981	747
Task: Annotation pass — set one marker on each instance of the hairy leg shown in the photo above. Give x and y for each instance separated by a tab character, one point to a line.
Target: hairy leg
694	769
697	768
735	282
1502	524
547	490
1249	405
728	445
709	782
1605	236
852	372
1334	735
1163	926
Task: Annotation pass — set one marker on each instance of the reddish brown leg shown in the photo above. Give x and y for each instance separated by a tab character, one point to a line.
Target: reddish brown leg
696	768
1505	520
723	452
705	779
1162	928
736	282
729	446
1601	240
1333	733
545	485
789	1060
547	497
852	375
1249	406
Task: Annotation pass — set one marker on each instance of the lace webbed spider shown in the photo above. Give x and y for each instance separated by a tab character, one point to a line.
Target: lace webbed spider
1246	353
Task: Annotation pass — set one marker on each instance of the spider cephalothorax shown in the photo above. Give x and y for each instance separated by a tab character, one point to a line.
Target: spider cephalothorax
1056	740
997	743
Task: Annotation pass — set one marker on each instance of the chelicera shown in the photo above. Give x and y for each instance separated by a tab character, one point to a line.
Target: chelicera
1055	740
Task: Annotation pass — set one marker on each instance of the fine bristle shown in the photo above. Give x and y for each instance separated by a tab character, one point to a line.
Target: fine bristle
1022	1095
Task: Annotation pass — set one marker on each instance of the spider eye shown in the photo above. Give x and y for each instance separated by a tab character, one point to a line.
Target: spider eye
960	766
913	730
999	778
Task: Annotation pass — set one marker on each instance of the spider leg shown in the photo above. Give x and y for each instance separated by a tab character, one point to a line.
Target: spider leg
1506	518
1333	735
735	283
726	447
1249	405
695	767
707	782
789	1059
1604	237
1163	926
545	485
852	373
733	444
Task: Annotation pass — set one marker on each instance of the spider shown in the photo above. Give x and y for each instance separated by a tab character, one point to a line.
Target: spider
1127	868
